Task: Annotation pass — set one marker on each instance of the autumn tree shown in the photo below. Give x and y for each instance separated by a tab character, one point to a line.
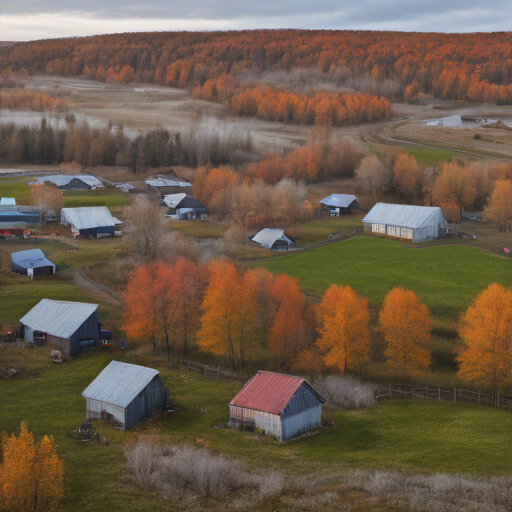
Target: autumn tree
406	325
32	475
343	324
47	199
408	176
499	209
372	175
484	354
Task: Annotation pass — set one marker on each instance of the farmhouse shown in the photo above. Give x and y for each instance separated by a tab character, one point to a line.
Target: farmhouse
90	221
338	204
282	405
31	263
70	327
126	393
69	182
274	239
415	223
184	207
164	186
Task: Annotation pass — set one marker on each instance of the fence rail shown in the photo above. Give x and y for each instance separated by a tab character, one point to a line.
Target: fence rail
450	395
210	372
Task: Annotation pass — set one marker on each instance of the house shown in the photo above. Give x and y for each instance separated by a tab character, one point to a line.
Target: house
184	207
281	405
408	222
90	221
70	327
274	239
31	263
7	201
338	204
126	393
165	186
70	182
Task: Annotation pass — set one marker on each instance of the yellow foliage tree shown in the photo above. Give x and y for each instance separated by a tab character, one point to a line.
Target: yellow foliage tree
406	325
486	339
499	209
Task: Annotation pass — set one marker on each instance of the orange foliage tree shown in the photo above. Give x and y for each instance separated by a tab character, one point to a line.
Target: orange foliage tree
343	324
408	176
406	325
32	475
486	339
499	209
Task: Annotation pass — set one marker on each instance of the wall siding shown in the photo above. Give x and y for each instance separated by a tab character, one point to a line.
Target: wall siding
300	423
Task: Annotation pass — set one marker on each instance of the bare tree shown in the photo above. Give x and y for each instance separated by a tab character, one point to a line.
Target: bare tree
372	175
47	199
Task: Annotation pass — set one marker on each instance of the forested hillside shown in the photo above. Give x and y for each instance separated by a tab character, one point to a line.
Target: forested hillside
475	67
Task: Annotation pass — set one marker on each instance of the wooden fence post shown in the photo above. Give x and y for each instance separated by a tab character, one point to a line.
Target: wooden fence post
412	393
390	391
479	398
205	370
426	390
218	373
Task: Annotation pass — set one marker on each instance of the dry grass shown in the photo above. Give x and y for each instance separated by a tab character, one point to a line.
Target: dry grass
346	392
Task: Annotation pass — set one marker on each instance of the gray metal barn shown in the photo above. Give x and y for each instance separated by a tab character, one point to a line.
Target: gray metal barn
281	405
70	327
126	393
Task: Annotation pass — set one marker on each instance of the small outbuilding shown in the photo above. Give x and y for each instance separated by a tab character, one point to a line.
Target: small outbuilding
338	204
125	393
281	405
31	263
164	186
408	222
71	182
7	201
14	222
184	207
70	327
274	239
90	221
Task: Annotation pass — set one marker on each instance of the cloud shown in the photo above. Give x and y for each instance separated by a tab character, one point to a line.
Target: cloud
33	19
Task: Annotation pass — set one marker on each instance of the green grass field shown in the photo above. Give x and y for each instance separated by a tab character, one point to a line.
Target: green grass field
411	436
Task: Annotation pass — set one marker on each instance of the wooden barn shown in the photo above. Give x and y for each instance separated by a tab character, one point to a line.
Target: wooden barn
125	393
338	204
70	327
281	405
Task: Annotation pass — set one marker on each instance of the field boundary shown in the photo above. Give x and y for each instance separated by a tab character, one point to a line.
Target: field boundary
210	372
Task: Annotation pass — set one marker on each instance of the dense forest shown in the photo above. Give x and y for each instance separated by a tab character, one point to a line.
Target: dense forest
475	67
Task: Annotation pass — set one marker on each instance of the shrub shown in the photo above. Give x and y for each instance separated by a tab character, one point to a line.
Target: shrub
346	392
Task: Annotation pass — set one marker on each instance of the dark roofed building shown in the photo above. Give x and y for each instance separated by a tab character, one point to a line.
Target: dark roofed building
338	204
184	207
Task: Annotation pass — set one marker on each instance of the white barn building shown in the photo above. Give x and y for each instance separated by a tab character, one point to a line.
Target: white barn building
414	223
274	239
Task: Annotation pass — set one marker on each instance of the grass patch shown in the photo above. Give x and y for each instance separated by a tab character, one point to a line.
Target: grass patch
431	157
320	228
199	228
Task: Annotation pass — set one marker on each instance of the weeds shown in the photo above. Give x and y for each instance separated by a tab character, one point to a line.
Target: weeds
346	392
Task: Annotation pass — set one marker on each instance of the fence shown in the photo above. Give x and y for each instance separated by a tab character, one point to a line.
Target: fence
210	372
451	395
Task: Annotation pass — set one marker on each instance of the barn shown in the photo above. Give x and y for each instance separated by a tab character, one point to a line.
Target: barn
15	223
126	393
90	221
70	182
274	239
338	204
408	222
31	263
281	405
184	207
164	186
70	327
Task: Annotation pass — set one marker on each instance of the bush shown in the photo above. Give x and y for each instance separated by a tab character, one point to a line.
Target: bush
346	392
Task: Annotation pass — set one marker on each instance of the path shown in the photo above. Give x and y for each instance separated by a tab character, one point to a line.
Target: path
95	288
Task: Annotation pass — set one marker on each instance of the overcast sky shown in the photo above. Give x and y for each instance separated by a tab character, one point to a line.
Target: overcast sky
22	20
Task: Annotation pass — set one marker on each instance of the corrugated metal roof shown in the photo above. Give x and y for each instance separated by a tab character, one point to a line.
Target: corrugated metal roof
57	317
160	182
269	392
267	237
87	217
62	180
33	258
172	200
408	216
119	383
7	201
339	200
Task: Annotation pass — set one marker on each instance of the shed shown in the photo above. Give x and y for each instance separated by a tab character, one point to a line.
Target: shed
14	222
31	263
338	204
70	327
281	405
274	239
184	207
71	182
164	186
7	201
409	222
126	393
93	221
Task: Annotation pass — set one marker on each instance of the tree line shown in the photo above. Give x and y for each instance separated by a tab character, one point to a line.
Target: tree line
32	100
475	67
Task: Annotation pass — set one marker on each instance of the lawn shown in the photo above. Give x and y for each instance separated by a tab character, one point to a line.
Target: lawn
446	278
412	436
199	228
319	229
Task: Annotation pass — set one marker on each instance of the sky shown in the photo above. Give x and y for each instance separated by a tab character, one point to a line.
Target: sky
23	20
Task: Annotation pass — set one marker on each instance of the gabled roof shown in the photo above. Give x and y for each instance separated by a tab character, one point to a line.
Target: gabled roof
339	200
87	217
33	258
57	317
62	180
408	216
119	383
172	200
270	392
160	182
7	201
268	237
